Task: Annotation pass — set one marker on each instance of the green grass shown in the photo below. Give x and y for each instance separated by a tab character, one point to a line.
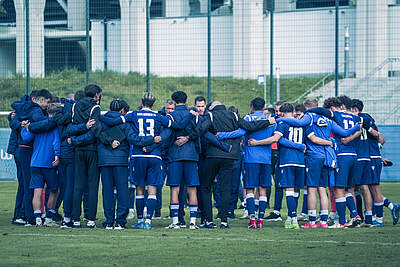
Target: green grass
237	92
239	246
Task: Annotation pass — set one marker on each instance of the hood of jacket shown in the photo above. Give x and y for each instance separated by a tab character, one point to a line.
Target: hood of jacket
83	109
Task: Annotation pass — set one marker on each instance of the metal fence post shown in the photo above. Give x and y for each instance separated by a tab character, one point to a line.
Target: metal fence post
278	86
147	46
27	49
88	58
271	67
336	47
209	51
346	51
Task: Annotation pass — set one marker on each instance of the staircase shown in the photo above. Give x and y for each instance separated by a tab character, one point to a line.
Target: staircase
381	95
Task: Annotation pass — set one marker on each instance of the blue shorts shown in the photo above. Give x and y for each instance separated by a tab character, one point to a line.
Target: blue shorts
363	175
185	170
292	176
345	172
257	174
146	171
40	176
376	165
317	174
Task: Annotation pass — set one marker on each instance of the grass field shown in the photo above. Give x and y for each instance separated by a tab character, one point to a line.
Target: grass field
238	246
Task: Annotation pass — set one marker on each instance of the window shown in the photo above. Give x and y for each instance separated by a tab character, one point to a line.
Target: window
319	3
157	8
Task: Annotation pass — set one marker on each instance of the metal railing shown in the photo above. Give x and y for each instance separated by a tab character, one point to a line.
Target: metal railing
315	86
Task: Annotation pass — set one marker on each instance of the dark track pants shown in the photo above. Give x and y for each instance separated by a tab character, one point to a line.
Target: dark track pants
19	198
24	155
66	176
223	168
118	176
86	175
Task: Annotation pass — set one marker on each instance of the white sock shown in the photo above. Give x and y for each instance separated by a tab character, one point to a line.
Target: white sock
192	220
148	221
175	220
67	219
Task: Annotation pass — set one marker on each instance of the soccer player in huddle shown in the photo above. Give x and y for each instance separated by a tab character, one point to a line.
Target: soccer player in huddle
320	159
369	164
291	165
45	159
147	164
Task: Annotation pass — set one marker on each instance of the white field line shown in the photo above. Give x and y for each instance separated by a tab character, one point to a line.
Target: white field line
215	239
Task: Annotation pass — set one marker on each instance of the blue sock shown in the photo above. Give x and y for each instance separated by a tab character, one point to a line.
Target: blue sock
359	205
304	208
368	216
278	198
37	213
174	207
296	200
193	209
324	216
341	209
151	204
312	215
387	203
262	207
139	207
256	204
50	213
379	209
351	205
291	204
250	204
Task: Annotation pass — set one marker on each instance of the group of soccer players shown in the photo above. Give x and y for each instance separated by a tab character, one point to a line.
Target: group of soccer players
63	147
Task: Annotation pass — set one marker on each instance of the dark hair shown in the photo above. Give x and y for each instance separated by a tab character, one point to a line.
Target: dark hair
357	103
234	110
300	108
271	110
332	102
179	97
79	95
346	101
55	99
148	99
286	108
257	103
125	105
169	101
199	99
311	103
33	93
279	103
44	93
52	107
92	89
115	105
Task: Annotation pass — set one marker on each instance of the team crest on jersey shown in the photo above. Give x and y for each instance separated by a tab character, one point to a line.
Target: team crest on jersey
306	169
373	168
337	170
321	122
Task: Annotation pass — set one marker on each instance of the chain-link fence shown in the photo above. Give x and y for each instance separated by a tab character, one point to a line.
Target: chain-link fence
225	50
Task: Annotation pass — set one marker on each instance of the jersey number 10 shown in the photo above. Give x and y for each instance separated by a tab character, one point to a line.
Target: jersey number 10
296	135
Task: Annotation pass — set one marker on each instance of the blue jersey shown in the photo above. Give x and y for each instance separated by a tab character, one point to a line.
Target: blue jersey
258	154
321	127
45	147
290	156
346	121
146	122
363	146
374	149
